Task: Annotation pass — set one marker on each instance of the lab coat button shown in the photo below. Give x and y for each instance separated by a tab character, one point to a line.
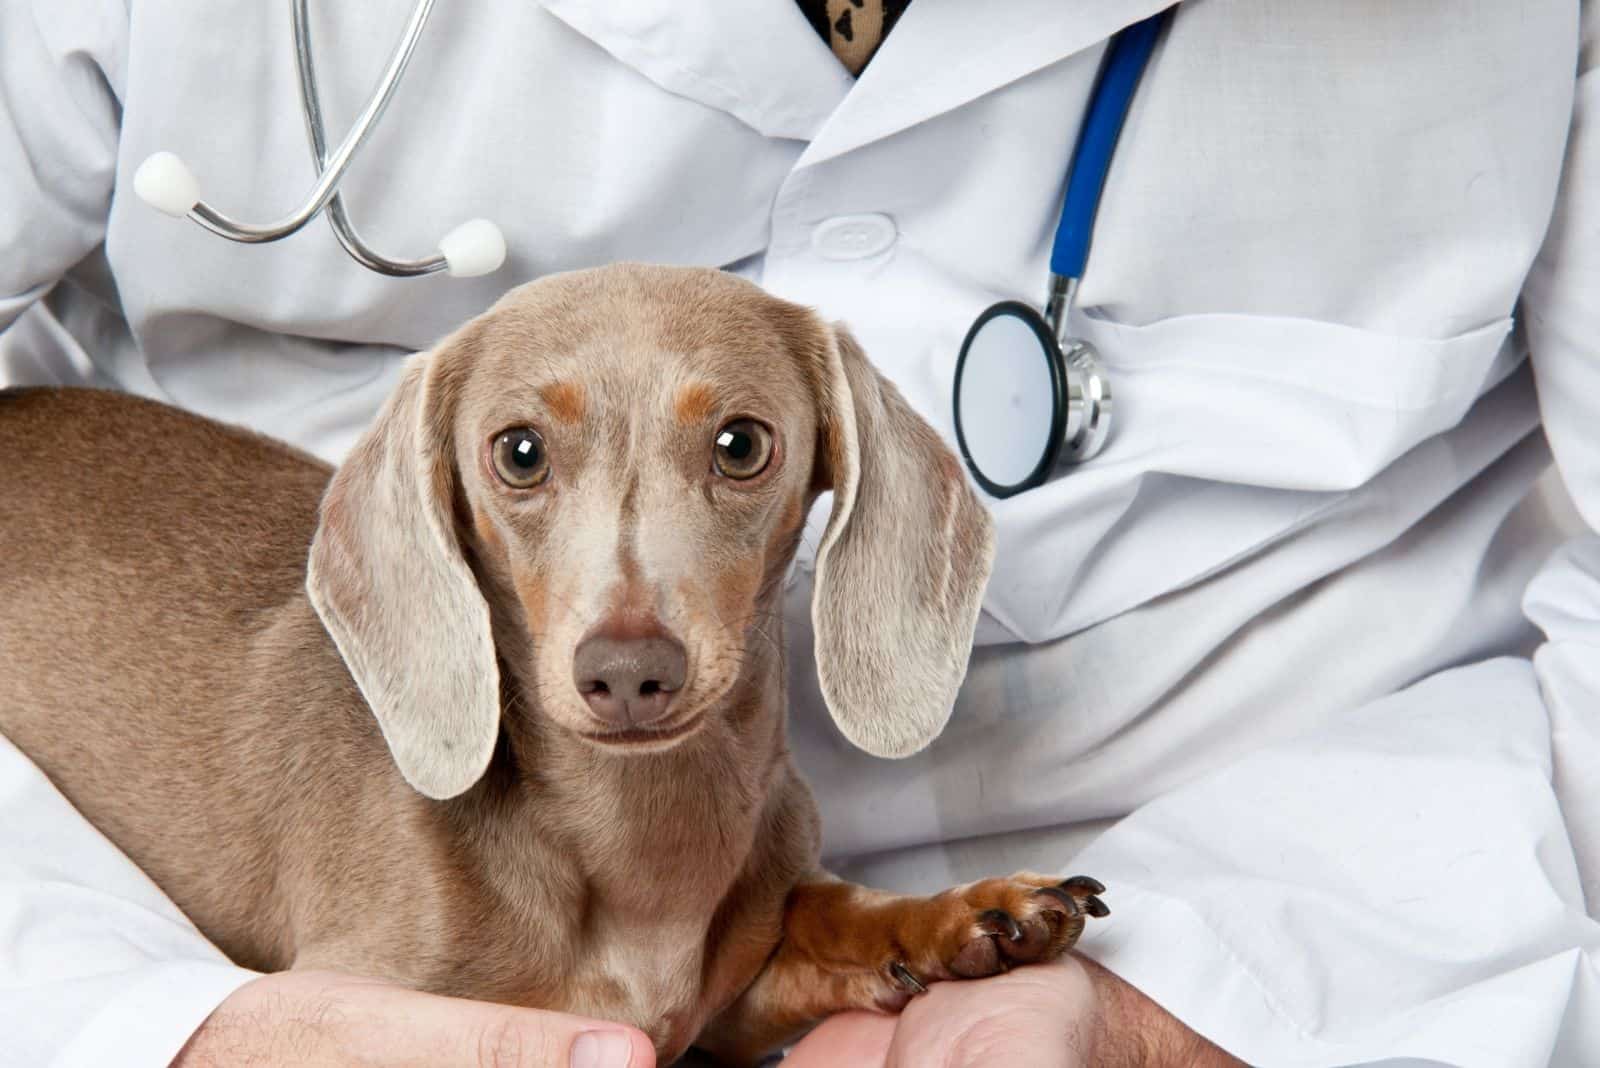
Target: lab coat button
853	237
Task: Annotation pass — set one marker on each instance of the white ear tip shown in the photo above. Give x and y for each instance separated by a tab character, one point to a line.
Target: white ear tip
475	247
167	184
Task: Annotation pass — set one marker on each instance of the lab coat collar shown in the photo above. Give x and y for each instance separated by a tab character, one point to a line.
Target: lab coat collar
760	61
944	53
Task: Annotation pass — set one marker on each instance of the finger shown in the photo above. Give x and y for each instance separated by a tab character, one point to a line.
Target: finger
408	1029
849	1040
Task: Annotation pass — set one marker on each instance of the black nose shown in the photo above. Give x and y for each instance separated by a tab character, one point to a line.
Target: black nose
629	682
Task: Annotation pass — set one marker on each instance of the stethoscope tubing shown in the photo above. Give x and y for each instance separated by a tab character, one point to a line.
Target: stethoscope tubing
333	166
1119	78
311	105
475	247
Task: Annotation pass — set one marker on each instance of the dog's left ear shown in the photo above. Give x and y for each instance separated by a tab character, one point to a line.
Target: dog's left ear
389	581
901	566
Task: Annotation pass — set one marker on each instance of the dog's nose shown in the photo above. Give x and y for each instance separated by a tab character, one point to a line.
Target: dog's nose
629	682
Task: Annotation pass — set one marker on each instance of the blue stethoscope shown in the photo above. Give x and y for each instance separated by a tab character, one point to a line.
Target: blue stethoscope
1027	396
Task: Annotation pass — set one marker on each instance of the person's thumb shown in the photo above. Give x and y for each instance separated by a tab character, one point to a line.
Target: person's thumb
326	1019
480	1035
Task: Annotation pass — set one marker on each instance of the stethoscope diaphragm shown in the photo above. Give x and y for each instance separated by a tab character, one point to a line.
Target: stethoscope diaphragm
1023	403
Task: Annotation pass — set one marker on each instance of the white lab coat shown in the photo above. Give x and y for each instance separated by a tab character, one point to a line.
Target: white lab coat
1295	628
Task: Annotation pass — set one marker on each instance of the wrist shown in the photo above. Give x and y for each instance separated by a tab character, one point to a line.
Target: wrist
1132	1031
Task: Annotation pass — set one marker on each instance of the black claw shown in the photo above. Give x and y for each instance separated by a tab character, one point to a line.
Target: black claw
1095	907
1002	919
903	976
1062	896
1084	883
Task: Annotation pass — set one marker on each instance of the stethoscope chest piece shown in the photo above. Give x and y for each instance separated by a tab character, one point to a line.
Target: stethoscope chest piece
1026	403
1027	396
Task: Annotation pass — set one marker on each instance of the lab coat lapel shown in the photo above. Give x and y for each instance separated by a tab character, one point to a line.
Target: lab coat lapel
944	53
758	60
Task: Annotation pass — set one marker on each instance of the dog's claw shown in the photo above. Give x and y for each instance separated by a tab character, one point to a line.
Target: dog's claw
1084	883
903	976
1058	894
1001	922
1095	907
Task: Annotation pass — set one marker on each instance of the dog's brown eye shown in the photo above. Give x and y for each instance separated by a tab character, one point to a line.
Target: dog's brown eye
519	458
743	448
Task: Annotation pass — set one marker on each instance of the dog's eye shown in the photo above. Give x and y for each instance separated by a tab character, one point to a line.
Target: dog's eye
519	458
743	448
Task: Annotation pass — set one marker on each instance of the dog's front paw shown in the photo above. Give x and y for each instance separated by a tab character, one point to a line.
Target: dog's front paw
986	927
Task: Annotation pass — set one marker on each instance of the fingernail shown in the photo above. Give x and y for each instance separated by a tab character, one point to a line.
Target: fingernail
601	1049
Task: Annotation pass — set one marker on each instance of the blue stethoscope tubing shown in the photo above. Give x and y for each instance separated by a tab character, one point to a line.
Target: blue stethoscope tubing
1120	75
1080	410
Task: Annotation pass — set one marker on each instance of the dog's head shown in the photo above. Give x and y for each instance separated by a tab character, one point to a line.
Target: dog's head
601	483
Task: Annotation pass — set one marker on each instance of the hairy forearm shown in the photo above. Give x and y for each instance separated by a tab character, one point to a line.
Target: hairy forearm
1134	1032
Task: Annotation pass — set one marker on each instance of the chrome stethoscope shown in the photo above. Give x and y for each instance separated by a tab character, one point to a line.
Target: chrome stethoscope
1027	395
1036	395
165	182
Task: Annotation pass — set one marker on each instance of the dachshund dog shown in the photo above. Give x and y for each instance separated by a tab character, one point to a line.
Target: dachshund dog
497	709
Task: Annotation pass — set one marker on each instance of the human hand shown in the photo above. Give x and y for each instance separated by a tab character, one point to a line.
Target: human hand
1042	1015
324	1018
1066	1014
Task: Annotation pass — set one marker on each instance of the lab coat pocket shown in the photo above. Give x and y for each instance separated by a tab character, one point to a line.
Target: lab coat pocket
1231	432
1295	404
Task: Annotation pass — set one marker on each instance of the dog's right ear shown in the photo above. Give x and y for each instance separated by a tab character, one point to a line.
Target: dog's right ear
388	579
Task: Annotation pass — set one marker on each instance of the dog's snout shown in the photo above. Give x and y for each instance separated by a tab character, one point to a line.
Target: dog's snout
629	682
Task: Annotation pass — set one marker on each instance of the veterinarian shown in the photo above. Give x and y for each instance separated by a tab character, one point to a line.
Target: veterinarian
1305	665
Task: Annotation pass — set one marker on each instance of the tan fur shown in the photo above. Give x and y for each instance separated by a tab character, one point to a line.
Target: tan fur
564	400
694	403
348	736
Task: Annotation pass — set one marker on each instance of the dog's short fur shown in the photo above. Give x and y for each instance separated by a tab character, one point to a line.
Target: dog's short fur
378	761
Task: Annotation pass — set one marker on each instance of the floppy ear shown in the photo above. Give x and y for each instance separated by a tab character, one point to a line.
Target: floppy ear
901	565
388	580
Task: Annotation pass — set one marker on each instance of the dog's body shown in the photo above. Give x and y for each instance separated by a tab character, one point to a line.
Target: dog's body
257	835
165	666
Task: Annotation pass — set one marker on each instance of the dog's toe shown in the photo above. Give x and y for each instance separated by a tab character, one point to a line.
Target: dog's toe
1000	922
1059	894
978	958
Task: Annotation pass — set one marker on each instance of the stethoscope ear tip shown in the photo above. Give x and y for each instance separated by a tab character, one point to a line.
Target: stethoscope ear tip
166	183
474	248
